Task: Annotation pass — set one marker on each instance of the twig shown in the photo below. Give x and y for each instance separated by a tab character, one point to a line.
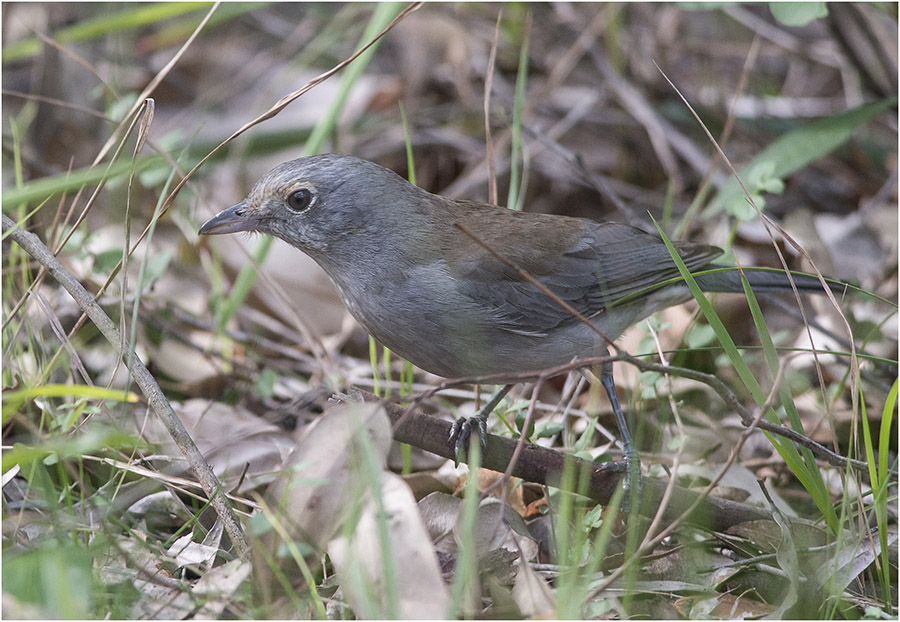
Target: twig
157	401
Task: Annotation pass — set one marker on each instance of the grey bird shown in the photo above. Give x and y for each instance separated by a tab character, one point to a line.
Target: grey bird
433	294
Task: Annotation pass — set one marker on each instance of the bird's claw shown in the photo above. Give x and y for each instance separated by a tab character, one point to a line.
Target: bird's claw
461	433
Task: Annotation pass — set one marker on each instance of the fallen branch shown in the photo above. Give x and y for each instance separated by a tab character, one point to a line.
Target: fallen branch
545	466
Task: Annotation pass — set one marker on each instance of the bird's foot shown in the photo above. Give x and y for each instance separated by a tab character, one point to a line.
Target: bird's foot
464	427
461	433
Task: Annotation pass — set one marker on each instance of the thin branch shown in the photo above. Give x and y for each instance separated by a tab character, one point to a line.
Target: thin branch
157	401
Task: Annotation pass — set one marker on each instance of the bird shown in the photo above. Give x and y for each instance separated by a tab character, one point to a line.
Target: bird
440	281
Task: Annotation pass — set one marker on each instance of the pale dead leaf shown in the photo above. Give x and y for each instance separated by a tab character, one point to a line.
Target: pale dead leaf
532	594
326	471
722	607
494	530
850	559
235	442
176	359
787	555
186	552
9	474
766	535
158	602
423	484
439	511
360	561
740	478
217	587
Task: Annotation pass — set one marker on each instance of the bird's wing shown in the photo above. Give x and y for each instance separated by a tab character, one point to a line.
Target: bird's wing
604	264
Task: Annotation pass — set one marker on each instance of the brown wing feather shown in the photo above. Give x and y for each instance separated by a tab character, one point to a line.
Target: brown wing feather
588	264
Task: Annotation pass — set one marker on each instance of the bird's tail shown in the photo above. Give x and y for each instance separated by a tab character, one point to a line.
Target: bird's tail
764	280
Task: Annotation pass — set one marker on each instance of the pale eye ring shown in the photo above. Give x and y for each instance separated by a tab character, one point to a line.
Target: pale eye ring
300	200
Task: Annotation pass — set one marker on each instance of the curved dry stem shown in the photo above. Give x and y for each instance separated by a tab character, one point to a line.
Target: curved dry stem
157	401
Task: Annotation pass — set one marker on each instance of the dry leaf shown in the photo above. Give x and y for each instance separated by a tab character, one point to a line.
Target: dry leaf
360	561
532	594
326	471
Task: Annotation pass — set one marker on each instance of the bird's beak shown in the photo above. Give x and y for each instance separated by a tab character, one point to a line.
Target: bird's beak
230	220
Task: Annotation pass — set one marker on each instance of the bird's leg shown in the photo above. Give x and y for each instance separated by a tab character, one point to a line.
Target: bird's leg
462	428
632	459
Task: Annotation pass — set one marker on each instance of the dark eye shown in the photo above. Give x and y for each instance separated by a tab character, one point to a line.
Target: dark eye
300	200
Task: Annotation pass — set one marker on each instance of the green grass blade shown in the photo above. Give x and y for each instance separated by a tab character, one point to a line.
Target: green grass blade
465	576
375	472
381	17
516	183
806	470
13	400
410	160
47	187
716	324
786	450
243	283
884	436
106	23
880	482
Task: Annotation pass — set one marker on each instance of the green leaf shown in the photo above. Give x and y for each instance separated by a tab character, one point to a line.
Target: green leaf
594	517
107	22
546	430
265	383
57	579
806	470
796	149
798	13
521	416
699	336
63	448
105	261
763	178
47	187
13	400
